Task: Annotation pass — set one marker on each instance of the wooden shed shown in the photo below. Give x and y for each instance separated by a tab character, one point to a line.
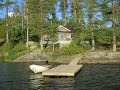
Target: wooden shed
64	36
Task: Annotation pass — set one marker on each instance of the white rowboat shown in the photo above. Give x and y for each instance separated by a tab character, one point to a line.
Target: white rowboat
38	68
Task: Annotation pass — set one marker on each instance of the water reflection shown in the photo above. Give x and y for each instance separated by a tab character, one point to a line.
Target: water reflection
36	81
13	76
17	76
59	83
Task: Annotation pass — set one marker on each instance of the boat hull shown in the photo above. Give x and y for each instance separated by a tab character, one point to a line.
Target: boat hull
38	68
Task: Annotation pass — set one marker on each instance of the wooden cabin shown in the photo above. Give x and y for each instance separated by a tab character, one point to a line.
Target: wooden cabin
64	36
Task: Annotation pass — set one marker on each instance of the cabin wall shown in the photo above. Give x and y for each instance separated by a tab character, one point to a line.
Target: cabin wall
64	36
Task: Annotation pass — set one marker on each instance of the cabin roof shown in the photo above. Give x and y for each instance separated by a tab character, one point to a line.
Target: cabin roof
64	29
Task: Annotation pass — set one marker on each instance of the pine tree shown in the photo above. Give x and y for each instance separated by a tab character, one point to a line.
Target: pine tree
92	5
111	14
115	20
27	22
6	5
63	7
38	13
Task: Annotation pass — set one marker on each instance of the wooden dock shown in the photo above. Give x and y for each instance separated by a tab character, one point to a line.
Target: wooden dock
69	70
63	70
75	61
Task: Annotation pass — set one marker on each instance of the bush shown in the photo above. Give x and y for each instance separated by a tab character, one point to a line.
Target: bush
2	58
73	49
14	56
13	53
52	57
16	49
6	47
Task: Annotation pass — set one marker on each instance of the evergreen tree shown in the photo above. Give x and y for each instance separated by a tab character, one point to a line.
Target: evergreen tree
92	6
111	14
63	7
38	13
115	20
6	4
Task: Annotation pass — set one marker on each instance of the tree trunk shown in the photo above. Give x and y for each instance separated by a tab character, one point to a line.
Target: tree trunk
65	18
7	28
27	43
74	11
41	36
22	24
114	33
91	26
7	12
27	34
53	46
7	34
93	41
41	43
114	42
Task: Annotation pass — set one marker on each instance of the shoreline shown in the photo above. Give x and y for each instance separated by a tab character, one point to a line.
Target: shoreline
95	57
102	62
65	63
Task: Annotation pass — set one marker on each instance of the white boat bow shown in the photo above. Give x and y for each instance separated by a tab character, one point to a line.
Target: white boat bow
38	68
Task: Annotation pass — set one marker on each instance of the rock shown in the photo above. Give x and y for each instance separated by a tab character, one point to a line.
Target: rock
34	56
1	41
32	45
113	55
91	56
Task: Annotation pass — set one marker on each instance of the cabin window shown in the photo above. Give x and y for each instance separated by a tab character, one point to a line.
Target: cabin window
62	36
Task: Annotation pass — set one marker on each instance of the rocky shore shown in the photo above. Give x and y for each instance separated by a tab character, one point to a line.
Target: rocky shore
87	58
101	57
35	56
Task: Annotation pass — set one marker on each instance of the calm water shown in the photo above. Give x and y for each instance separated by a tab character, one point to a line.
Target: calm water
17	76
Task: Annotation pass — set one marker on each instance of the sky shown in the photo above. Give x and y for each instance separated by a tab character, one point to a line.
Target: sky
58	14
2	10
19	2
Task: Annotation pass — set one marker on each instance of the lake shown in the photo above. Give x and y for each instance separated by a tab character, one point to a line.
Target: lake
18	76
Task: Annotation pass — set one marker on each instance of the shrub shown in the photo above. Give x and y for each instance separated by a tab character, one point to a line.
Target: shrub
72	49
16	51
6	47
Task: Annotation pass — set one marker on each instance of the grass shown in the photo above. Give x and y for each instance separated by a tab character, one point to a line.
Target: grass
65	54
59	57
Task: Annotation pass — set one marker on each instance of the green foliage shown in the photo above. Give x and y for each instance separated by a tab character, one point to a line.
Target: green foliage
18	48
73	49
53	57
40	17
118	34
2	28
13	53
103	36
80	36
13	57
58	57
15	35
65	53
6	47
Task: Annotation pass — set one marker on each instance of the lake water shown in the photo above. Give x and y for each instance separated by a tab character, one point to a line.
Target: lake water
17	76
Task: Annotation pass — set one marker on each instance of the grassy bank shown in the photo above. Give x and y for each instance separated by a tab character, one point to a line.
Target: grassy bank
66	54
8	53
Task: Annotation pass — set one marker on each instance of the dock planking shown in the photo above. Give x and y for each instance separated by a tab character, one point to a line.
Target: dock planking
63	70
75	61
69	70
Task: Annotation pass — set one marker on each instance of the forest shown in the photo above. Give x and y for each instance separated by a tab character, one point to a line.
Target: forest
95	21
